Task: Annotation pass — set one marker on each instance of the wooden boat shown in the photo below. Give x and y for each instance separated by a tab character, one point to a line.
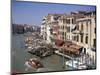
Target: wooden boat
34	63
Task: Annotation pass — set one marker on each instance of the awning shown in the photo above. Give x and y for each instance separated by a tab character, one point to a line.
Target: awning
59	42
71	47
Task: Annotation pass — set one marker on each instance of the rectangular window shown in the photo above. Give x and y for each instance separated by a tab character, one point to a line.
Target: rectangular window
62	33
95	30
65	34
68	21
81	38
68	29
63	37
86	40
87	26
77	27
72	21
74	38
63	27
82	26
77	38
94	43
64	21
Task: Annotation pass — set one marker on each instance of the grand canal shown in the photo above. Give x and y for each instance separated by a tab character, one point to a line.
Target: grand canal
19	56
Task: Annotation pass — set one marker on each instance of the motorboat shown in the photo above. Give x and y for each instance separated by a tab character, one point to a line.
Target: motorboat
33	63
75	64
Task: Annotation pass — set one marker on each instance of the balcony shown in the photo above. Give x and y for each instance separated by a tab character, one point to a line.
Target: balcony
72	25
44	21
83	32
79	32
68	25
54	32
76	32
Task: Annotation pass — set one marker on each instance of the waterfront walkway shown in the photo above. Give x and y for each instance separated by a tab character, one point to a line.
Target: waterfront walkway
57	52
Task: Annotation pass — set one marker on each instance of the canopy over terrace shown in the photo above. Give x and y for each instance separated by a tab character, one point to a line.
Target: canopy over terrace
69	47
59	43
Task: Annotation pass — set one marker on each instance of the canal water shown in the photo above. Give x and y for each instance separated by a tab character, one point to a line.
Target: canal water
19	56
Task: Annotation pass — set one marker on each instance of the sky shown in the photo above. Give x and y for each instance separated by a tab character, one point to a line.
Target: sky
32	13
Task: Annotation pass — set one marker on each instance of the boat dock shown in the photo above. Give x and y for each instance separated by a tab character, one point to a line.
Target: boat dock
57	52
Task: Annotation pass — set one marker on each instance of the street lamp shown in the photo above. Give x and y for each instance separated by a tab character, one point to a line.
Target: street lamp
72	61
63	59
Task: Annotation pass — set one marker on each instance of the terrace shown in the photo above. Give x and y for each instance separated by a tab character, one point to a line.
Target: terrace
69	48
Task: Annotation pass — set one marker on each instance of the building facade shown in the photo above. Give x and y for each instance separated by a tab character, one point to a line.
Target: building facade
85	33
50	27
78	27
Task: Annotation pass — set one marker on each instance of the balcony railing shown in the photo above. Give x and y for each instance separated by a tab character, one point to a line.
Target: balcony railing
76	32
79	32
54	32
